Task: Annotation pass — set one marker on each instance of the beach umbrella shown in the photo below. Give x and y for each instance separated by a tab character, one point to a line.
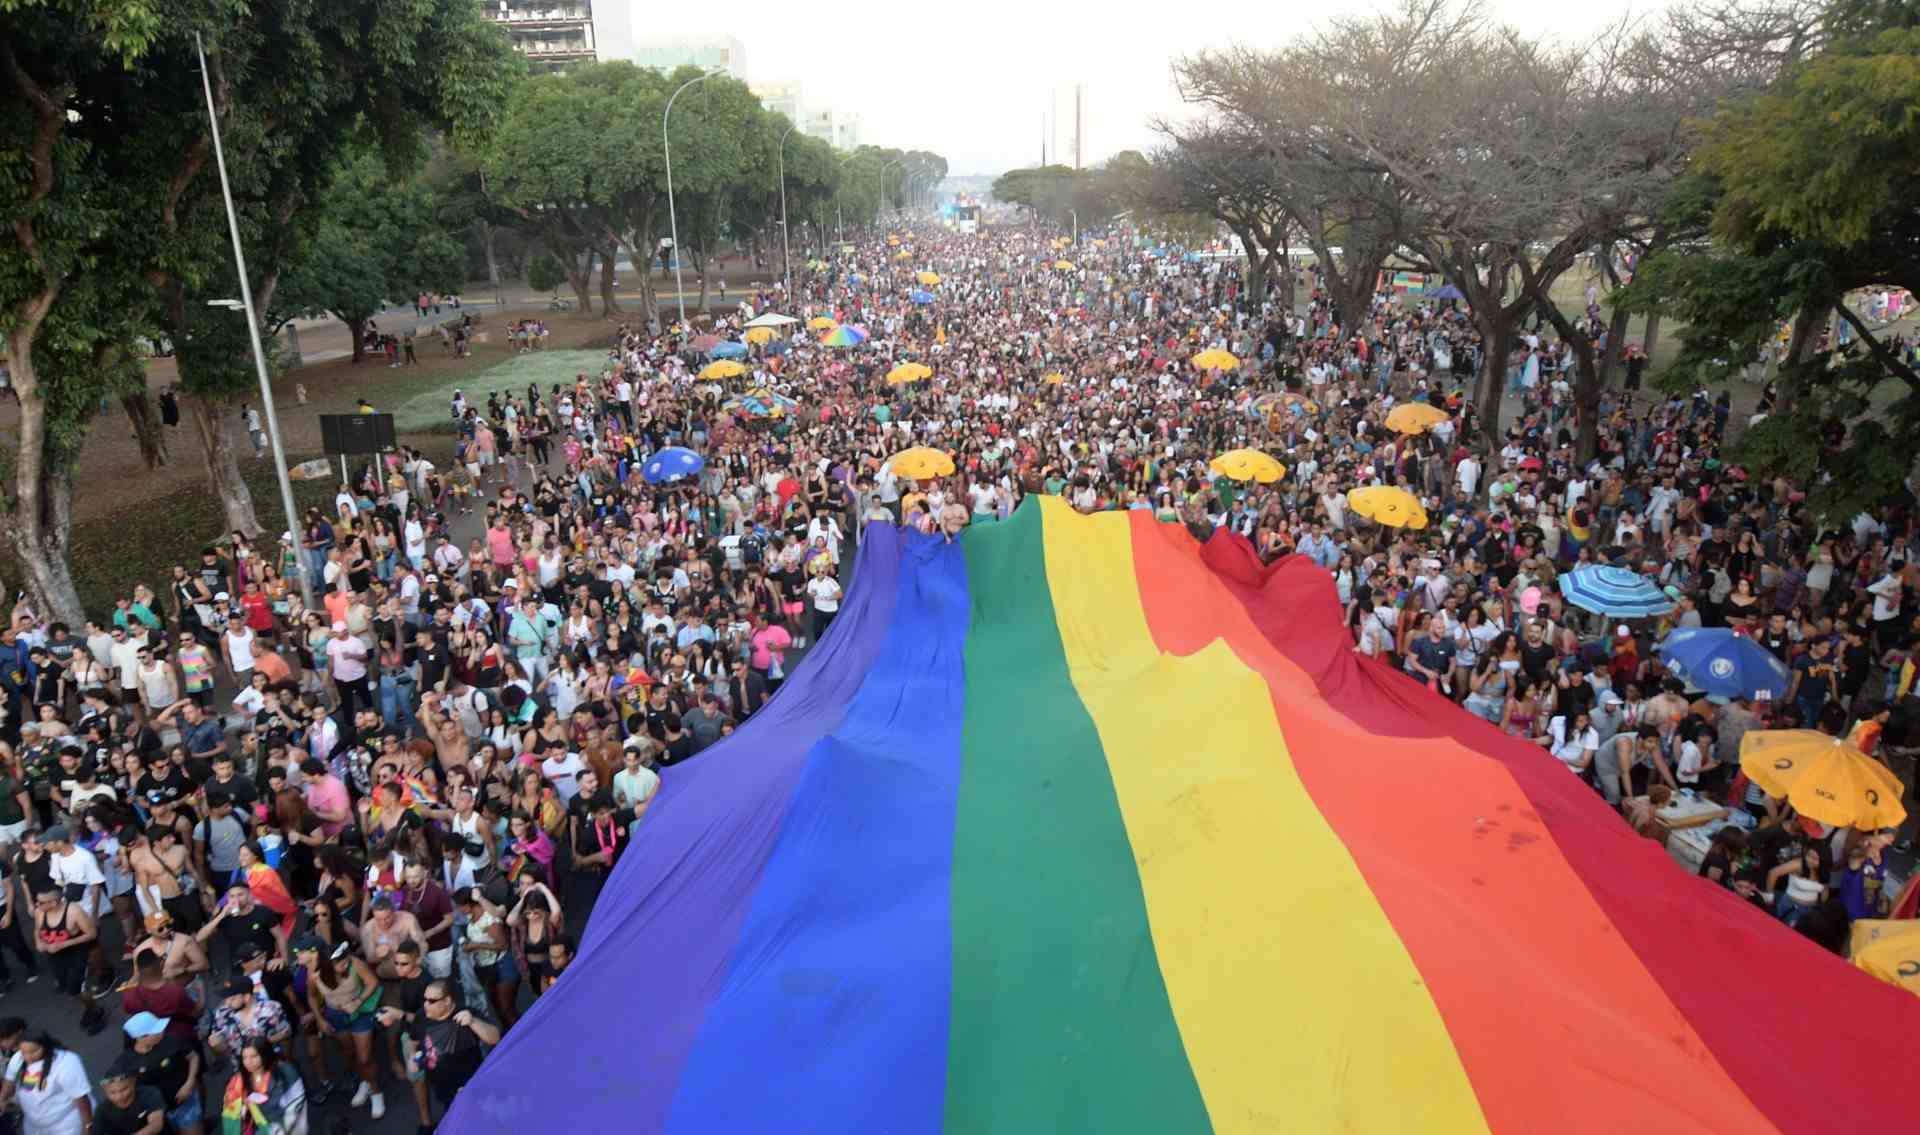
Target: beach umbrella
920	297
1053	378
728	350
1248	465
823	323
908	372
725	368
1385	504
1414	417
758	335
1064	265
772	319
894	241
928	278
1889	949
903	254
1720	662
671	464
761	402
1214	358
921	462
1446	292
845	335
1824	778
1614	591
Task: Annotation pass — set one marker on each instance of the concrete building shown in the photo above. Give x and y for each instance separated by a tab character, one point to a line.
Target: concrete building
555	33
722	51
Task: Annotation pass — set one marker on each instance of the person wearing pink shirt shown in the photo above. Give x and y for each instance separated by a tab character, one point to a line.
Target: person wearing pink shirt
770	643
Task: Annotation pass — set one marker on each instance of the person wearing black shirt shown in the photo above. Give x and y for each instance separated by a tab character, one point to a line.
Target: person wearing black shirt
402	1002
163	1063
239	789
128	1107
449	1042
163	784
242	922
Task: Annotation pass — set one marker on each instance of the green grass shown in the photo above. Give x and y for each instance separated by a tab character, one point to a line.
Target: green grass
141	544
427	410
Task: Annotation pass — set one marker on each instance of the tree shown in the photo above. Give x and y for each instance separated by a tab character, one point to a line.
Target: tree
72	303
378	240
544	273
295	87
1807	183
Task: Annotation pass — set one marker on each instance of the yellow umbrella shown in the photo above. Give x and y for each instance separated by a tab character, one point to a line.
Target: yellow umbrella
823	323
1064	265
1889	949
1823	777
1248	465
1059	242
893	240
1396	508
908	372
903	254
1213	358
921	462
1414	417
1054	378
725	368
928	278
759	334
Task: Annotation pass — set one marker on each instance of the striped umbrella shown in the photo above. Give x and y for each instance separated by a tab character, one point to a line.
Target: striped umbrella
1615	592
845	335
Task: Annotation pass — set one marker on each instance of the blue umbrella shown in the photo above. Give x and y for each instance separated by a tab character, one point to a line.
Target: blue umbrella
920	295
1720	662
670	464
1615	592
1446	292
730	349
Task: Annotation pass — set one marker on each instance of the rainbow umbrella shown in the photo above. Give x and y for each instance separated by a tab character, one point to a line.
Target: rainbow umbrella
761	402
845	335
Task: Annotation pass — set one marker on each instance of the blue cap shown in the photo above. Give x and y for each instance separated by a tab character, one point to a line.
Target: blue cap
144	1025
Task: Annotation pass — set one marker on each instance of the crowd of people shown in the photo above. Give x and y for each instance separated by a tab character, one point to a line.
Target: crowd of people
334	851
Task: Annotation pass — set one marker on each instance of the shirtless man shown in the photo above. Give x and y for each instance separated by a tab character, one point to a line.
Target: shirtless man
383	931
185	959
157	858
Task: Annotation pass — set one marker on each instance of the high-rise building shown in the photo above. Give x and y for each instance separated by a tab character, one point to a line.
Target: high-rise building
555	33
723	51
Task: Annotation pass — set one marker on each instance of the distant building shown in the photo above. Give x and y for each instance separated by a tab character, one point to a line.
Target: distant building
554	34
724	52
782	96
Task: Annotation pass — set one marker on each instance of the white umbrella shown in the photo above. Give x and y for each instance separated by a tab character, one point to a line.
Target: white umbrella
771	320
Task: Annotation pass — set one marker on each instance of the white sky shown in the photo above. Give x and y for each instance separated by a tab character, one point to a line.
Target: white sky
970	80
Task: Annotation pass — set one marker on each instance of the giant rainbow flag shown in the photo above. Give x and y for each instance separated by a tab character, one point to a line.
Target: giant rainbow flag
1078	825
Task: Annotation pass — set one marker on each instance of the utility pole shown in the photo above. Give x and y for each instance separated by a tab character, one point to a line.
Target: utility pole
1078	91
1043	139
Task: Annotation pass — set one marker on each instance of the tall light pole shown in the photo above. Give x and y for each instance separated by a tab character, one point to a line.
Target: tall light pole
880	184
786	244
253	324
673	223
1076	225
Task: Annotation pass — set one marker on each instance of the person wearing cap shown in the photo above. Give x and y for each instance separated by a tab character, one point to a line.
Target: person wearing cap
236	643
344	996
246	1012
181	956
161	1062
128	1107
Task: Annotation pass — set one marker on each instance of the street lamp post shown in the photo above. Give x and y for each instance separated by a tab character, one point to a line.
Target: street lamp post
786	244
673	223
1076	225
253	323
880	185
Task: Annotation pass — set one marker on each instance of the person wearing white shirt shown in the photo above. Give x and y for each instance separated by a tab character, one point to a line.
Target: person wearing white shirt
50	1085
1573	742
1467	475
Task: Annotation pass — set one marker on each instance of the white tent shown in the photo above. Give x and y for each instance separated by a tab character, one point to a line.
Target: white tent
771	320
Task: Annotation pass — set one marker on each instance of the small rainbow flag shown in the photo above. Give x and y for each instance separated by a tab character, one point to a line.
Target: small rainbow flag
1078	825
